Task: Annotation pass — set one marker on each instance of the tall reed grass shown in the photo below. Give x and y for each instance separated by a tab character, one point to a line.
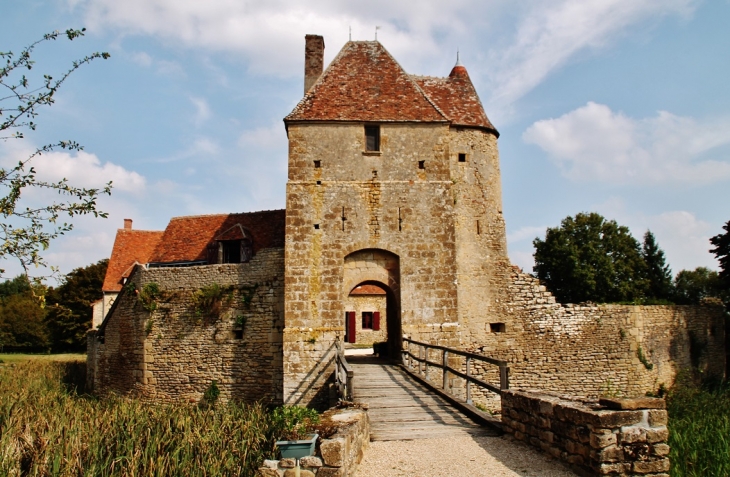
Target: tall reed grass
699	425
47	429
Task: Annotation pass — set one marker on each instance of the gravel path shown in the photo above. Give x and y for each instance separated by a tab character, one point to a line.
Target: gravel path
457	456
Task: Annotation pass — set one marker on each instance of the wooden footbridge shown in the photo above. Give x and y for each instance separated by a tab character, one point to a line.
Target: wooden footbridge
402	406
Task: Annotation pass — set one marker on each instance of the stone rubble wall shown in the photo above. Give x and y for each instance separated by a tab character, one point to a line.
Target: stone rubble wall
336	456
590	350
593	440
175	352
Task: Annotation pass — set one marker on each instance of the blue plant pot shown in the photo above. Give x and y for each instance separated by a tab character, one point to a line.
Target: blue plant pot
297	449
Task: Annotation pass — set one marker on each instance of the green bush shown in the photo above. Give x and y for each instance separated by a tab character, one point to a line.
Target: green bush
291	423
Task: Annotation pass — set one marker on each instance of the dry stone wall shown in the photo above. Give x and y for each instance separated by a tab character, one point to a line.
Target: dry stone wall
590	350
592	438
175	352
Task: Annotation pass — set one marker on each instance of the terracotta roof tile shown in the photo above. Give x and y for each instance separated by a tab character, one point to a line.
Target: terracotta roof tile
457	98
367	290
186	238
365	83
130	247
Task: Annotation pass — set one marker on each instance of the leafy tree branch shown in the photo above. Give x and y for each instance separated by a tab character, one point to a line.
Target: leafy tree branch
27	230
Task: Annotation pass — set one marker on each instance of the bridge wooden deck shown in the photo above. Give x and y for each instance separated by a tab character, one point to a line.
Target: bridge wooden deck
403	409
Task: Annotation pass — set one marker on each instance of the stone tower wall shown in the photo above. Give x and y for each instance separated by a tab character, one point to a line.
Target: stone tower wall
390	203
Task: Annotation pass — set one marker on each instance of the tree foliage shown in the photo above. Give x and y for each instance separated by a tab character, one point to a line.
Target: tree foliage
69	306
27	229
658	274
589	258
22	325
691	286
721	250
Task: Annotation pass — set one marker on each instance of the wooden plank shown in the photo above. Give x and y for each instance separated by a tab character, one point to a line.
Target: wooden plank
402	409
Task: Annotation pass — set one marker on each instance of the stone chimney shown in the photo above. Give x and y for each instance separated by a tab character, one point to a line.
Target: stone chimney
127	224
313	60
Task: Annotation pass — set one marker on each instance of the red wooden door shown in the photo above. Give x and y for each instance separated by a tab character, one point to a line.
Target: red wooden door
351	326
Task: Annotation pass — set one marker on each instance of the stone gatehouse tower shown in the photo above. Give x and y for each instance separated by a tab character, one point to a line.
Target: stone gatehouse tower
393	227
393	181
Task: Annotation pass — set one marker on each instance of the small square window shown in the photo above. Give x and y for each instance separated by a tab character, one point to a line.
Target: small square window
497	327
421	164
316	226
372	138
319	182
238	334
317	164
462	157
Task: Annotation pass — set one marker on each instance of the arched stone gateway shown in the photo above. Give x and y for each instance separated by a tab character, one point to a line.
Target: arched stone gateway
380	269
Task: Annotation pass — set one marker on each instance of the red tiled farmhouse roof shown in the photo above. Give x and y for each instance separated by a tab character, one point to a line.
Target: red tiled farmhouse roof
365	83
130	247
186	238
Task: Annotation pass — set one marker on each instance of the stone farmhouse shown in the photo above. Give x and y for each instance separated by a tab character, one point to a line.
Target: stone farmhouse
393	227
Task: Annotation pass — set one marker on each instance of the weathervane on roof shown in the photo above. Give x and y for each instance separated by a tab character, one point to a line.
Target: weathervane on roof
350	33
458	61
376	32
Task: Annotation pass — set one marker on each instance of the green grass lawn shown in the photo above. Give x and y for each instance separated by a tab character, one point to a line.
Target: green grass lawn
18	357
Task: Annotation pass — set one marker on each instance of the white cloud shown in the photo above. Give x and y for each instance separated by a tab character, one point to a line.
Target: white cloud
202	110
141	58
525	233
524	260
92	237
145	60
595	143
271	137
553	32
81	168
524	43
683	236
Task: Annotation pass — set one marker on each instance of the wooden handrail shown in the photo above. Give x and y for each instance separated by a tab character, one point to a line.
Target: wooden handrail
343	374
424	363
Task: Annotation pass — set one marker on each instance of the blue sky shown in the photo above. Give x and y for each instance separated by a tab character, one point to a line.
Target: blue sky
614	106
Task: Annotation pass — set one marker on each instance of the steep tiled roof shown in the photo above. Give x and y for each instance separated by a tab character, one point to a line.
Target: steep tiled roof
457	98
365	83
186	238
130	247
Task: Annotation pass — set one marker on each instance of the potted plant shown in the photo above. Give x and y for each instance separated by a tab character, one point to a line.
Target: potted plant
295	427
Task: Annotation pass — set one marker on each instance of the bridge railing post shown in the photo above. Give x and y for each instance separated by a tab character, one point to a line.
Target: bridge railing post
425	362
444	367
503	377
420	362
468	381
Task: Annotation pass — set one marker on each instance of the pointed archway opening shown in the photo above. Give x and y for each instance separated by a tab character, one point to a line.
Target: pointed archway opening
372	300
